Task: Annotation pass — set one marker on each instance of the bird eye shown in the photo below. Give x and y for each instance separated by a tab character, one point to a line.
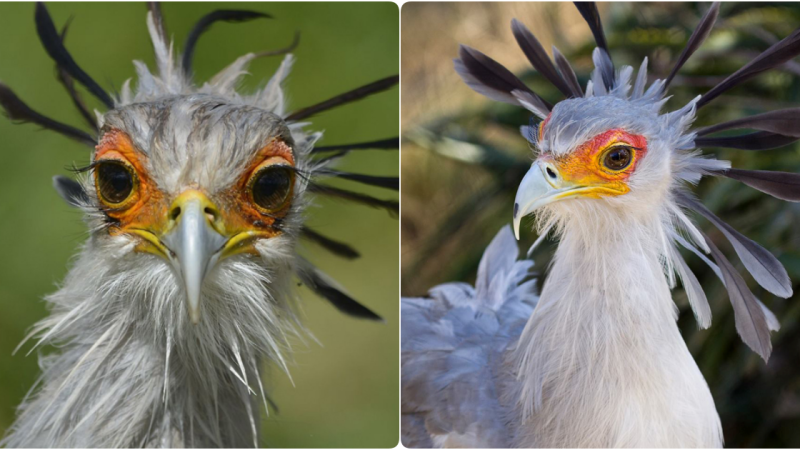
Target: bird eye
271	187
618	158
114	181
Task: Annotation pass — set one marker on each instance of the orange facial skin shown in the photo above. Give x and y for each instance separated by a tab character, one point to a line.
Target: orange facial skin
146	208
145	213
585	167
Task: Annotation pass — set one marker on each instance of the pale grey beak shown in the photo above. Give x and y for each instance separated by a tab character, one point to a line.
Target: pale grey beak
540	186
195	243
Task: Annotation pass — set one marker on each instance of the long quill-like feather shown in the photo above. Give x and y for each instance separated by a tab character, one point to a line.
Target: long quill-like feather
785	122
333	246
777	54
695	40
488	77
758	141
392	206
205	22
383	144
326	287
765	268
17	110
751	323
347	97
782	185
694	291
538	57
567	73
51	41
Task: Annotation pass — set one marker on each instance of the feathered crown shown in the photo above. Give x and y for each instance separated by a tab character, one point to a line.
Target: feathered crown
773	129
174	79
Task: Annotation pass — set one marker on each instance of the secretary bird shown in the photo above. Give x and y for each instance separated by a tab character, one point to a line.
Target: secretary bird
195	199
596	359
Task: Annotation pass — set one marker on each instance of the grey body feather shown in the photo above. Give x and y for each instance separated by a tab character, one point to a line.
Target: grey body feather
453	347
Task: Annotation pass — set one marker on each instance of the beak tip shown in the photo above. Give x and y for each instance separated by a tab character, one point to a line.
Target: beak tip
194	315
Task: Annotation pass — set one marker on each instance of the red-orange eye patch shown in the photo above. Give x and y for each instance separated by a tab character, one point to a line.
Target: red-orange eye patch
140	208
605	161
145	207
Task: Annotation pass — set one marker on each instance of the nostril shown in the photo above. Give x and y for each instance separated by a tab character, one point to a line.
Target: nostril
173	215
210	213
550	173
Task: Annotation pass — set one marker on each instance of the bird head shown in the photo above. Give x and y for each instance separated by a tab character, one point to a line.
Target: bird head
609	161
195	183
596	154
196	198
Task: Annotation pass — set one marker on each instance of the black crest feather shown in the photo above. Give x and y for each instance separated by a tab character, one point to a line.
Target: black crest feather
347	97
777	54
205	22
488	77
383	144
17	110
592	17
695	40
333	246
392	206
371	180
69	84
567	73
51	41
325	288
785	122
538	57
760	140
782	185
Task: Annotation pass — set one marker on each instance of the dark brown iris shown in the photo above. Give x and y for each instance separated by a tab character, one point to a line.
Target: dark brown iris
114	181
618	158
272	186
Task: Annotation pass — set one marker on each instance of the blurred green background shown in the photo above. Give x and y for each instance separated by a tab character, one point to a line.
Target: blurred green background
346	392
463	158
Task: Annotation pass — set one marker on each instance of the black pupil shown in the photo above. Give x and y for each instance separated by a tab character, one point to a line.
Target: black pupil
272	186
618	158
115	182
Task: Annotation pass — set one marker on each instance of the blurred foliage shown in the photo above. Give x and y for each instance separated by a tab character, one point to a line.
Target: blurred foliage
461	171
346	385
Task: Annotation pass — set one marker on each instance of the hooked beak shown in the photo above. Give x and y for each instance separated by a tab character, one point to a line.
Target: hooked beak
195	240
543	184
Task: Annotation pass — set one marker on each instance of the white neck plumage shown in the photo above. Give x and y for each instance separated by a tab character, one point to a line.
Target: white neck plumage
603	363
131	371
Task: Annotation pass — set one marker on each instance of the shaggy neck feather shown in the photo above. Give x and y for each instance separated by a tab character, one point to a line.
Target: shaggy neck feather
130	370
603	361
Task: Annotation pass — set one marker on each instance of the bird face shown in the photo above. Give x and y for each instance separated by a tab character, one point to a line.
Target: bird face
596	150
195	186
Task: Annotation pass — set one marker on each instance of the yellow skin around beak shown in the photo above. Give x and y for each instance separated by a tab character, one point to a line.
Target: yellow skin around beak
192	232
195	240
585	172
